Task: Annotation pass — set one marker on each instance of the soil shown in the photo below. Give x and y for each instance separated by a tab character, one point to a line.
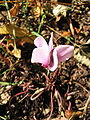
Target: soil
70	79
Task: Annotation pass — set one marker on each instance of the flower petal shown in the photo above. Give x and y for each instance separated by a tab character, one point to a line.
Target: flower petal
41	55
40	41
64	52
54	63
51	42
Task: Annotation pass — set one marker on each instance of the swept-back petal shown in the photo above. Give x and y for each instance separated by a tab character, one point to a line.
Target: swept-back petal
40	42
41	55
51	42
53	61
64	52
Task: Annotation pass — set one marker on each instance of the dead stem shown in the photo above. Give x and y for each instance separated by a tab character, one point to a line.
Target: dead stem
23	98
81	86
85	108
63	36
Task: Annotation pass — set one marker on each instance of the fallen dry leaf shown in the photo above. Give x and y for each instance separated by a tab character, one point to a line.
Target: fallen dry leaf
13	11
66	33
37	10
82	58
19	32
11	49
86	50
71	114
60	11
23	36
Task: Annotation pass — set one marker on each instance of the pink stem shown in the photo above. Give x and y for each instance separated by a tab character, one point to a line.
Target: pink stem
4	59
59	96
33	98
16	95
51	106
2	40
69	107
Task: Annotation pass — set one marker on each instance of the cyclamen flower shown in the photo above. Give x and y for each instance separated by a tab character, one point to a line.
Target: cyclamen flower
49	56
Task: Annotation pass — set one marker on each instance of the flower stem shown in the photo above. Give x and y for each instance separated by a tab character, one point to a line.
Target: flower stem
48	71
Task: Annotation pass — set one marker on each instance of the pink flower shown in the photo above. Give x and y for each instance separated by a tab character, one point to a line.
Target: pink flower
49	56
